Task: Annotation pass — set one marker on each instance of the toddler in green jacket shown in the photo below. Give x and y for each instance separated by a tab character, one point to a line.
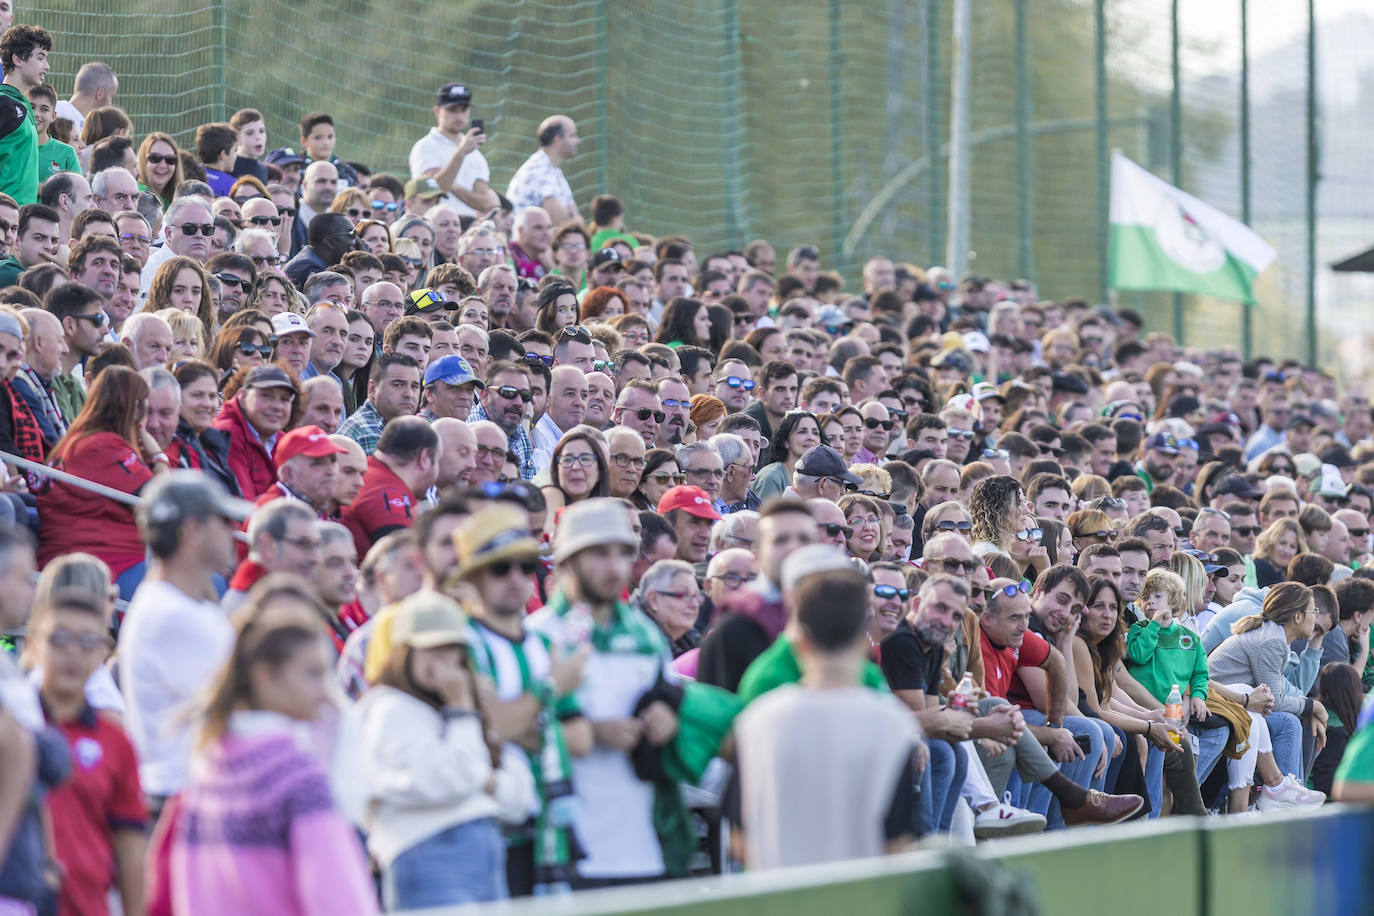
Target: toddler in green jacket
1160	651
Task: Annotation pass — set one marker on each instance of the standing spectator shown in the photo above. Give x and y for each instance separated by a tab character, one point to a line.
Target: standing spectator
95	87
175	637
540	181
252	143
451	154
53	155
24	58
251	773
317	141
98	817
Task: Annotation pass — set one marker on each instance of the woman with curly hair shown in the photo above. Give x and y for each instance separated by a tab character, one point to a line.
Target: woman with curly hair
996	507
272	294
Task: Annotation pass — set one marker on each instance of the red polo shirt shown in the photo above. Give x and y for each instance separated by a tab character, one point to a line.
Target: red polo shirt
383	505
102	796
1000	664
79	520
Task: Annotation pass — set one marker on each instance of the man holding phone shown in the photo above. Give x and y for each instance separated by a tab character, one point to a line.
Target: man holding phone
451	153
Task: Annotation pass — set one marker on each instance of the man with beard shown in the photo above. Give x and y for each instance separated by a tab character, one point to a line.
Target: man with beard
567	407
677	404
330	237
84	325
504	401
594	548
1158	456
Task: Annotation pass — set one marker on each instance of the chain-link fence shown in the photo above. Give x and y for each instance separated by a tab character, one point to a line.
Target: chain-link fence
828	122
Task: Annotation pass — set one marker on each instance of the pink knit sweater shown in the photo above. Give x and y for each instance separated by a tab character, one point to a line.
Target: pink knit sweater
257	832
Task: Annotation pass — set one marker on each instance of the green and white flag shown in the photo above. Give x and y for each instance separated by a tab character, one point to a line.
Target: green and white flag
1162	238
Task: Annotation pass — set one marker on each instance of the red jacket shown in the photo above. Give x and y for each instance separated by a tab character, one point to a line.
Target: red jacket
249	461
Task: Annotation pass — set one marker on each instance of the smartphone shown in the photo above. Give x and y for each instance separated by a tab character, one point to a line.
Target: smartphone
1084	742
477	124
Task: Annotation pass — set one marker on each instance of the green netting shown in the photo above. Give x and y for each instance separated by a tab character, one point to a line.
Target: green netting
822	122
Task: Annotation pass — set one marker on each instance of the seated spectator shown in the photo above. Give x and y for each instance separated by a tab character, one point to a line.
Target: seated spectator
1275	548
577	471
260	402
107	444
669	594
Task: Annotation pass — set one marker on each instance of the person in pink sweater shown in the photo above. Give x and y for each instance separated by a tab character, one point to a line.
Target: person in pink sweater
257	830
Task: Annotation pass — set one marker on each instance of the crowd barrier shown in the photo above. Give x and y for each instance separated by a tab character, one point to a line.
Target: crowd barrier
1288	864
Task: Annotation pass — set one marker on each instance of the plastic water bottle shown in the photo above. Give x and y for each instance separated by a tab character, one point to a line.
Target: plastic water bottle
962	697
1173	714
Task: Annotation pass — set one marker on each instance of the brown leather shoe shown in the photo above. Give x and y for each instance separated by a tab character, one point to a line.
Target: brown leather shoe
1102	809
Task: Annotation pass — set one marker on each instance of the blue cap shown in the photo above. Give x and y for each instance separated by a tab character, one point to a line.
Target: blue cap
284	156
1162	442
453	370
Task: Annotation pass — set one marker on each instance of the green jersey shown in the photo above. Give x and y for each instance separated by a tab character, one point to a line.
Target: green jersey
18	146
55	156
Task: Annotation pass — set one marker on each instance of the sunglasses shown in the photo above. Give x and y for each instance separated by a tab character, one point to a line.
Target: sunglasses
355	213
1357	532
1104	535
673	402
1030	534
735	381
952	525
502	568
287	212
262	350
536	358
835	529
265	220
965	434
1011	591
954	567
99	319
388	207
1108	502
891	591
644	413
997	453
161	159
510	393
666	478
875	494
872	423
206	229
574	332
1248	531
271	260
231	280
124	237
603	365
1050	450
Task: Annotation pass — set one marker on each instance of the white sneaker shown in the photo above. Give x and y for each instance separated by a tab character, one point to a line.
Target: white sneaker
1288	794
1004	819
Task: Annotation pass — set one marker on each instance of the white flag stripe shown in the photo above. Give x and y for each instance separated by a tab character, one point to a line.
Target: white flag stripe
1138	195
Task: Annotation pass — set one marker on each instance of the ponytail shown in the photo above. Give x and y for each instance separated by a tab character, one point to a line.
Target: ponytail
1284	602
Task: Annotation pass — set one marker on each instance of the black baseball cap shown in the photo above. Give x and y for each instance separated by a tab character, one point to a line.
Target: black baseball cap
453	94
824	461
607	256
175	497
1237	486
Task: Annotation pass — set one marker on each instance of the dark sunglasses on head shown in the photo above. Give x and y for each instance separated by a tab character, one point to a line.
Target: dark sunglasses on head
231	280
265	220
503	567
891	591
950	524
574	332
206	229
510	393
1107	502
262	350
538	358
644	413
873	423
834	529
874	493
161	159
735	381
1022	587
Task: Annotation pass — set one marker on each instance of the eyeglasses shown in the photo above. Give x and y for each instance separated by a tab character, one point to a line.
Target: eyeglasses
628	461
666	478
161	159
680	596
206	229
265	220
735	381
99	319
1011	591
567	460
286	212
733	580
495	451
950	524
954	567
997	453
262	350
705	473
965	434
673	402
1104	535
510	393
644	413
271	260
875	494
1030	534
502	568
123	236
872	423
536	358
86	642
1249	531
231	280
382	205
891	591
835	529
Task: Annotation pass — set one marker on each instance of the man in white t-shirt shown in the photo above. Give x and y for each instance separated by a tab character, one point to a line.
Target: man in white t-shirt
175	637
95	87
451	154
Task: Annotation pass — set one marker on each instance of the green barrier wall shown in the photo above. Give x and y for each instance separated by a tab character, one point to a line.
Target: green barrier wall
1275	865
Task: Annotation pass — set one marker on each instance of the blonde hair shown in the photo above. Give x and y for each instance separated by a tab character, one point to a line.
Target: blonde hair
1269	538
1087	487
874	478
1194	576
1162	580
184	324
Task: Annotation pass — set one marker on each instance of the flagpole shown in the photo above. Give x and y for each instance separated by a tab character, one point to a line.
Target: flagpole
1176	145
1311	183
1247	326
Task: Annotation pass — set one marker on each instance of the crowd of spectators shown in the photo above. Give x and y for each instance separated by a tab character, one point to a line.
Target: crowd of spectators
402	542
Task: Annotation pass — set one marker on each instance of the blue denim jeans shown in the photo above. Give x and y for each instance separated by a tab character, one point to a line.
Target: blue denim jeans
940	785
1285	731
464	864
1211	742
1039	798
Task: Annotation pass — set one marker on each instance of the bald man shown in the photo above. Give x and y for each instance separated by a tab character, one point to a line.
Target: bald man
459	455
348	480
540	182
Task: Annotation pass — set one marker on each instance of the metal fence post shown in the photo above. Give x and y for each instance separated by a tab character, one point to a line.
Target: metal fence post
958	234
1312	152
1104	180
219	52
1024	222
603	114
1247	318
933	142
1175	142
731	135
837	176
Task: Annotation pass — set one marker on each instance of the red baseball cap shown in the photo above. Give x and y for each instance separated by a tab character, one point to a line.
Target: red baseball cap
310	441
692	500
